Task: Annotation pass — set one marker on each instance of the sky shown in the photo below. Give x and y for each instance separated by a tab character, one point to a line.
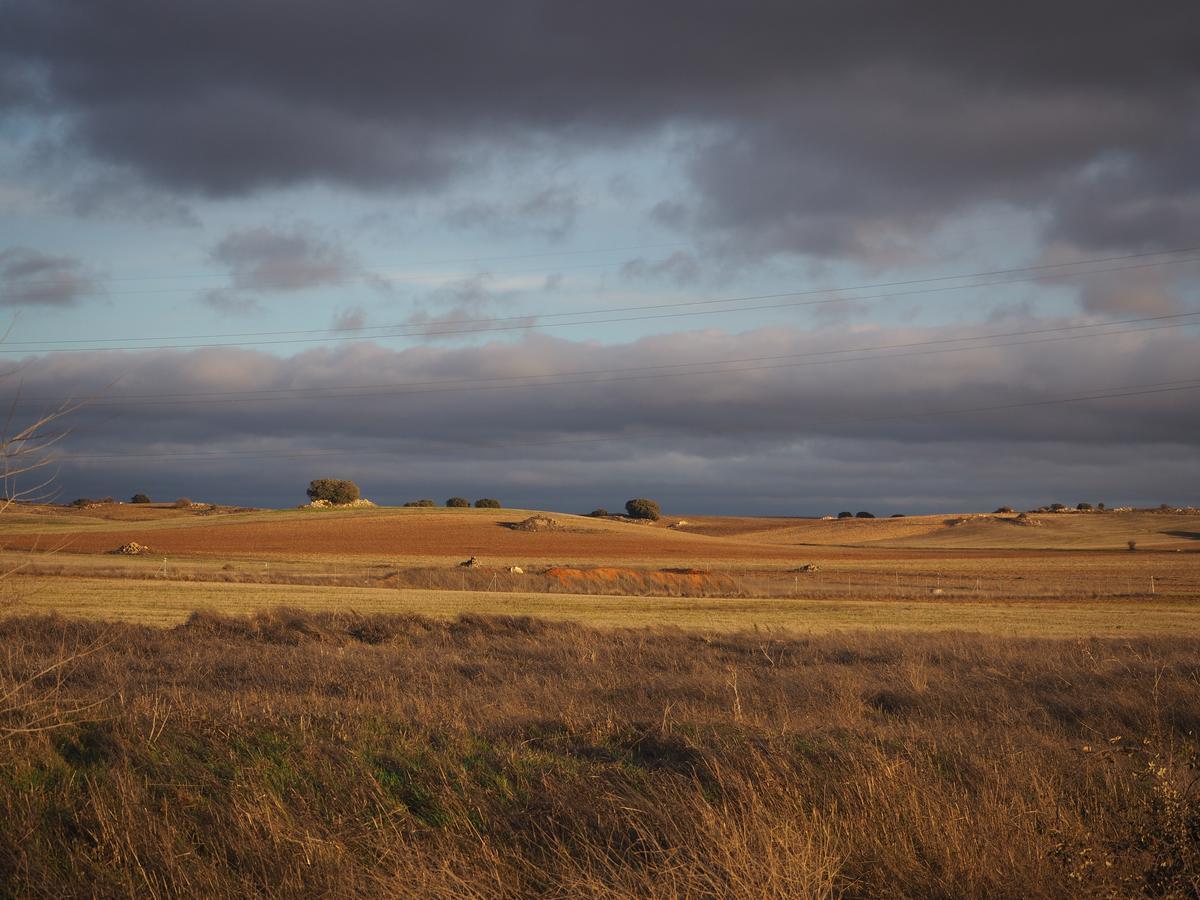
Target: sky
754	258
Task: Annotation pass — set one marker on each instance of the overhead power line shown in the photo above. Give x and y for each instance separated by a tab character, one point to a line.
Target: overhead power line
604	310
530	321
305	453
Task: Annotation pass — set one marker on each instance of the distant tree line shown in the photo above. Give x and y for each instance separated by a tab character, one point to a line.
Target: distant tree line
459	503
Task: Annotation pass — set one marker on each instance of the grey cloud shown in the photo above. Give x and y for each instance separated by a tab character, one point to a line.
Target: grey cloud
678	267
737	436
349	319
550	212
1143	204
122	197
463	306
268	259
32	278
231	302
1141	293
830	129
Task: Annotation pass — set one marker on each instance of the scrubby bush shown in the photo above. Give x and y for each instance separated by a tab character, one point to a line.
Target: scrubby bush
1057	507
183	503
139	498
845	514
487	503
641	508
421	503
333	490
864	515
1004	509
458	502
598	513
897	515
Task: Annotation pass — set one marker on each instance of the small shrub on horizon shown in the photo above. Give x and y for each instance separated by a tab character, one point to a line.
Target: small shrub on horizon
487	503
1057	507
1084	507
420	503
458	502
183	503
139	498
1003	509
642	508
599	513
864	515
845	514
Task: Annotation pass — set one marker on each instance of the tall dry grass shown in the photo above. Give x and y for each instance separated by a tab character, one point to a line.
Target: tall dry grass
291	754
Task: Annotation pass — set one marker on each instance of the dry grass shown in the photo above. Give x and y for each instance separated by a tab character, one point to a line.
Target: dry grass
298	754
162	602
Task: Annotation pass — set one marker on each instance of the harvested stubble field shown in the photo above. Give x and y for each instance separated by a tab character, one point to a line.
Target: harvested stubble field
295	754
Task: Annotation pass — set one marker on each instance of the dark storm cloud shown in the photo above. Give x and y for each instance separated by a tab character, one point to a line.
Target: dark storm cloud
754	434
31	278
825	128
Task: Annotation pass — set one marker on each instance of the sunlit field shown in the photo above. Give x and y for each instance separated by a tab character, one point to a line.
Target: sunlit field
326	702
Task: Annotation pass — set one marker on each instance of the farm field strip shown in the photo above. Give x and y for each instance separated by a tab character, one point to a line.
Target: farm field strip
975	574
168	603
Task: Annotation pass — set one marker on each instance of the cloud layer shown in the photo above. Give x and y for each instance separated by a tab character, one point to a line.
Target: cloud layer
842	129
775	427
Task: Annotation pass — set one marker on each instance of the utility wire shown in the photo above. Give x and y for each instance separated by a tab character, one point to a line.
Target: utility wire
525	323
1129	391
605	310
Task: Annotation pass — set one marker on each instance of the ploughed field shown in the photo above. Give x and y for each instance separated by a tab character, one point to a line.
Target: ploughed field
423	534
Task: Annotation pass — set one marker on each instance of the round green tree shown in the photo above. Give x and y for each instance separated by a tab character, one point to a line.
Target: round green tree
642	508
333	490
